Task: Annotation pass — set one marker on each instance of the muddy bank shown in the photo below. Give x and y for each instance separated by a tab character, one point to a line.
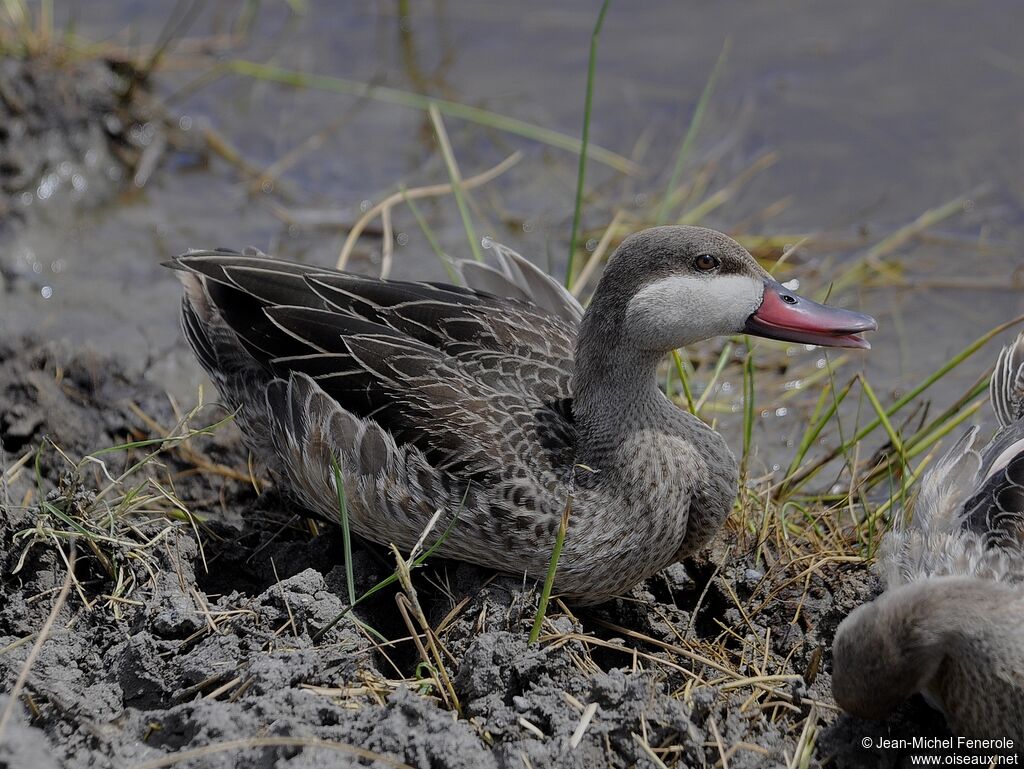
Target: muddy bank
179	635
73	134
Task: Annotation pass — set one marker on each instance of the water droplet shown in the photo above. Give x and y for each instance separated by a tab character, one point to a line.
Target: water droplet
765	413
185	123
402	239
46	291
267	187
487	242
591	244
640	199
364	205
47	186
57	266
527	226
27	198
819	363
79	183
781	411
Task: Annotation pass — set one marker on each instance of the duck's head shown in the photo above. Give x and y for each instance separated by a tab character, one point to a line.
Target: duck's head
678	285
883	652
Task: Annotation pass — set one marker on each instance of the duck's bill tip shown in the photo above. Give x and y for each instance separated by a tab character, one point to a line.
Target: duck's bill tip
789	317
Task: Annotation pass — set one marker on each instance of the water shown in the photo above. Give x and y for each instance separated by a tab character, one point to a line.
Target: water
876	111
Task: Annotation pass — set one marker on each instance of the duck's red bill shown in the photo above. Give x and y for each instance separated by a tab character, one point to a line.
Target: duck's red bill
790	317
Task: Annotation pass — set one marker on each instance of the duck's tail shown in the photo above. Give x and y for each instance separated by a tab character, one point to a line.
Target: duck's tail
238	377
1006	388
517	278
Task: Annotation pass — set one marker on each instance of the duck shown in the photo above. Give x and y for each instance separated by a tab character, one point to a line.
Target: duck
950	622
489	409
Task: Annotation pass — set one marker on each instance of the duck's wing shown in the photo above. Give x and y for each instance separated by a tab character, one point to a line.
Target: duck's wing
997	509
474	381
476	327
1006	388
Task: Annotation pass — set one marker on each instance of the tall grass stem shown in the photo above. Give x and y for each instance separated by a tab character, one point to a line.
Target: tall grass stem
549	579
581	173
691	133
456	179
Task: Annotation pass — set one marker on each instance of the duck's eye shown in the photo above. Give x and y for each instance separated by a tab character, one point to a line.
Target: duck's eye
706	262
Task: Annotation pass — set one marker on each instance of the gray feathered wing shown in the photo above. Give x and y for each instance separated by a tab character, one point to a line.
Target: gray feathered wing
447	386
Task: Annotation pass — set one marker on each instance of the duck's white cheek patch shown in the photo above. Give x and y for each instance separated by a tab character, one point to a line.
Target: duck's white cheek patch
691	308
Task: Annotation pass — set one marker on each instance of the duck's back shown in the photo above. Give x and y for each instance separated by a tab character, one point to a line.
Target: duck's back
997	508
465	390
980	683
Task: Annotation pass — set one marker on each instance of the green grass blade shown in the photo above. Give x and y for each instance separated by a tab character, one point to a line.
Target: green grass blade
723	359
456	179
980	387
549	579
748	402
685	380
691	133
435	244
935	376
909	397
581	173
871	260
346	533
170	439
393	577
894	436
400	98
938	428
817	423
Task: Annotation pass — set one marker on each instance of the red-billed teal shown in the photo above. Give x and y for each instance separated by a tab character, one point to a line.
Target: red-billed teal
497	402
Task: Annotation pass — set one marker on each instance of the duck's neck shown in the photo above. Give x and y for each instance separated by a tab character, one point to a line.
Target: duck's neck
615	388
